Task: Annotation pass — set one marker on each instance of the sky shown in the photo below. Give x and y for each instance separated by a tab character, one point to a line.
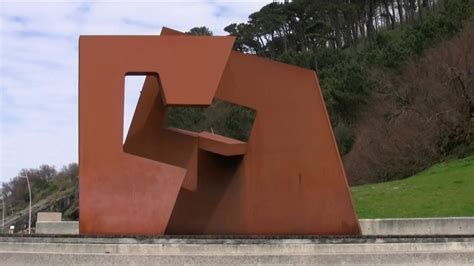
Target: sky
39	65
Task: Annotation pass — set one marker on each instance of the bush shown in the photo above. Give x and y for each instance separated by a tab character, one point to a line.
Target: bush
422	116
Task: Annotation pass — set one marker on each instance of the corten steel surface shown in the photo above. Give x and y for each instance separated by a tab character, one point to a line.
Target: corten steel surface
287	180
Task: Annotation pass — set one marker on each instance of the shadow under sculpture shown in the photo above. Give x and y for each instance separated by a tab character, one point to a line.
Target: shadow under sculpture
287	179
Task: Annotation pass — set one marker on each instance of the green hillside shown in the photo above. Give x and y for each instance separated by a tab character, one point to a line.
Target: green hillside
446	189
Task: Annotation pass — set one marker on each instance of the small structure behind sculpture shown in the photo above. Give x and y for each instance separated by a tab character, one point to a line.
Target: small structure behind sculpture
50	223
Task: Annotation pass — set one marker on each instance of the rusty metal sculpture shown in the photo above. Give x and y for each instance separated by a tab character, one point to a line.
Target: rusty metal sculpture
287	179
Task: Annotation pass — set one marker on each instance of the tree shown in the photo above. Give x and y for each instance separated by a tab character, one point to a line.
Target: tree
200	31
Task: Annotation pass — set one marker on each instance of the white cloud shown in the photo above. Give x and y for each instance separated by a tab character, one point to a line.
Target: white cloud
38	65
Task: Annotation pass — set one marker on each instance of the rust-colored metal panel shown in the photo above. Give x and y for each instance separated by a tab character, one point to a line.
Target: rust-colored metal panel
287	179
121	193
148	137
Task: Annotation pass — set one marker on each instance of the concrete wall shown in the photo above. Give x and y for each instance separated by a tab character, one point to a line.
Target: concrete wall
418	226
153	251
58	228
442	259
415	226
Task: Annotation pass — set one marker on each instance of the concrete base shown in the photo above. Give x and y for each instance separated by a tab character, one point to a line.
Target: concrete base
433	241
58	228
309	250
405	226
443	258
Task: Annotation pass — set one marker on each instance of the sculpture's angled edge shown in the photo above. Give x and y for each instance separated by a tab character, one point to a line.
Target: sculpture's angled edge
287	179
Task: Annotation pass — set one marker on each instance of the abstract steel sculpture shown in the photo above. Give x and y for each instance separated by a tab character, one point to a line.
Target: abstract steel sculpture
287	179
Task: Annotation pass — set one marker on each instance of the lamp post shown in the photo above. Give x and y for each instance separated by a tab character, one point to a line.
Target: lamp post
3	212
29	190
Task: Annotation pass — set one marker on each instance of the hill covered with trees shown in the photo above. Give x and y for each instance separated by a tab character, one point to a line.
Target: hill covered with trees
399	99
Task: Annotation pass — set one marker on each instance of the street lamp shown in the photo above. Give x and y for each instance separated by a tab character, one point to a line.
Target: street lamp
29	189
3	212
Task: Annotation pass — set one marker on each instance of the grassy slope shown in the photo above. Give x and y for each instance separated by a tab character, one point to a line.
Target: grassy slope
446	189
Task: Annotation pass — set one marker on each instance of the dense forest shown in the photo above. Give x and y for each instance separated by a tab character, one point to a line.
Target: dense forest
365	55
397	78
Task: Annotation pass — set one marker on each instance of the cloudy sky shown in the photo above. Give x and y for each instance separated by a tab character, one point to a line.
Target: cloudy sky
38	65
